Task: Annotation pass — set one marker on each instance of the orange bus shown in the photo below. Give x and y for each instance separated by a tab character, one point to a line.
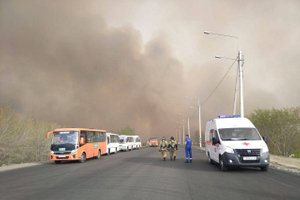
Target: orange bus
77	144
153	142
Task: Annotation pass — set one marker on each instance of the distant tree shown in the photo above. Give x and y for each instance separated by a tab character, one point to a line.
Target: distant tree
127	131
196	137
282	126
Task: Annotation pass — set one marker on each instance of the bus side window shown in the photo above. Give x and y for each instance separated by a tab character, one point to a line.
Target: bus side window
82	140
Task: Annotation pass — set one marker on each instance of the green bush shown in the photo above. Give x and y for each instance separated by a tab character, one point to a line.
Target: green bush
23	139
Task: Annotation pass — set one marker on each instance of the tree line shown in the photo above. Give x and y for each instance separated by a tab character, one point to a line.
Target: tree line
282	127
22	138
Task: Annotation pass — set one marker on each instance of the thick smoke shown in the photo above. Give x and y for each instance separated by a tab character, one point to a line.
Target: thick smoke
65	63
74	70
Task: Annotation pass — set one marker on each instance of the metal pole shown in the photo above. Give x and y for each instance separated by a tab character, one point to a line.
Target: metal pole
182	131
189	127
200	138
236	91
241	62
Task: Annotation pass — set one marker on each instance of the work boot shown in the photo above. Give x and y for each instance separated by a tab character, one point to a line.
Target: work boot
191	161
174	158
164	158
186	161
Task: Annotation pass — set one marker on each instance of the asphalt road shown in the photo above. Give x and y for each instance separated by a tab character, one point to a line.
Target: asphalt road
141	174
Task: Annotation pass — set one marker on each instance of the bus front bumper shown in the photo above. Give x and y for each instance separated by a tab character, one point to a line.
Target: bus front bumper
63	157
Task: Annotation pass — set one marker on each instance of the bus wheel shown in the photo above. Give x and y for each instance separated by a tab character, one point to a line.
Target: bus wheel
82	158
57	162
209	159
99	155
222	165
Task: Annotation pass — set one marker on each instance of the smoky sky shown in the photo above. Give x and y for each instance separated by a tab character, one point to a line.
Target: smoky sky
67	64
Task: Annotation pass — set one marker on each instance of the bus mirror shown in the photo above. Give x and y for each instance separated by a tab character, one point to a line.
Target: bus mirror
48	134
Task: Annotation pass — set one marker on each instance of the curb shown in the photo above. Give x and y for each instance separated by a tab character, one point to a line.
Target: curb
286	170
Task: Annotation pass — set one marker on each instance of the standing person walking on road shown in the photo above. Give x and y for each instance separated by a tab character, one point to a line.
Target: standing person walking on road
188	149
163	148
173	148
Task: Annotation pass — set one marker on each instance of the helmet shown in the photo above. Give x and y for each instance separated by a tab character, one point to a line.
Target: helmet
164	138
172	138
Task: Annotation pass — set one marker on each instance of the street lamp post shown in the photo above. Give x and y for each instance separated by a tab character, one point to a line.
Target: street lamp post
179	135
240	67
199	111
188	123
182	131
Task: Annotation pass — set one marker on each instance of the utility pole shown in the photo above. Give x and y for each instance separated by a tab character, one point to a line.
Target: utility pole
241	62
200	138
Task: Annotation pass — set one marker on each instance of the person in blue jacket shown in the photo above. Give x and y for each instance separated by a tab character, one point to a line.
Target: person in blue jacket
188	149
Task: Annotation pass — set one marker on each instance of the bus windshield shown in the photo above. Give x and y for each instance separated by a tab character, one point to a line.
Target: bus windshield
153	139
239	134
122	140
65	137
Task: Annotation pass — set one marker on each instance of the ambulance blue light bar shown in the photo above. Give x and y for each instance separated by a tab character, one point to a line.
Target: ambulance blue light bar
229	116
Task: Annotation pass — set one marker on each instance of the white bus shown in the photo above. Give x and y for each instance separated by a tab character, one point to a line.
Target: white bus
126	142
136	142
112	143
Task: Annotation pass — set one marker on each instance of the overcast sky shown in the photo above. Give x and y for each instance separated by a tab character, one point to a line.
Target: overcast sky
109	64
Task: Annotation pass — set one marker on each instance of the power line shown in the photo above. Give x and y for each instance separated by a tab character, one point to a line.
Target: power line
219	82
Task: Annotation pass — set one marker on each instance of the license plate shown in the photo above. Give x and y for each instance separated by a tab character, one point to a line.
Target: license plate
61	156
250	158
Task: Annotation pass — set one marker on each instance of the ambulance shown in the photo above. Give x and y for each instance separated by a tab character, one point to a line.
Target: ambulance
232	141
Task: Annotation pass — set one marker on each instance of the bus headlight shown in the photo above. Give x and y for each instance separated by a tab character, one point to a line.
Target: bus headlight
265	149
52	152
229	150
74	151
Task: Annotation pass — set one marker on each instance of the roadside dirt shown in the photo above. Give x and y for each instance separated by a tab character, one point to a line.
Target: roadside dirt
292	164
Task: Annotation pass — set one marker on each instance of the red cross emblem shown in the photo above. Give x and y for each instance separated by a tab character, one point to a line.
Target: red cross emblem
245	143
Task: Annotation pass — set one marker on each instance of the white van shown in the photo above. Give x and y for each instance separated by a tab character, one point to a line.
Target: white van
235	142
112	143
126	142
136	142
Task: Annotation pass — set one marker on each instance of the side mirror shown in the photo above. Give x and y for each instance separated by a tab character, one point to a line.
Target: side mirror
265	138
48	134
